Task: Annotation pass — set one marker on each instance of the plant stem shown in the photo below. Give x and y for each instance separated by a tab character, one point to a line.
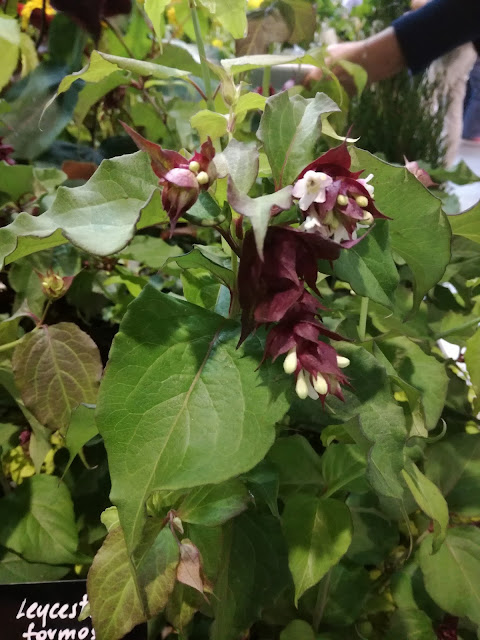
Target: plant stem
119	36
11	345
321	602
362	326
203	56
267	74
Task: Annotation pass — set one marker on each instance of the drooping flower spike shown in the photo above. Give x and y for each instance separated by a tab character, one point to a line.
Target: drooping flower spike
182	179
273	290
333	199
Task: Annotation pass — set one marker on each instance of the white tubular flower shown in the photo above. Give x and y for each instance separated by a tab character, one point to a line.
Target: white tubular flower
342	362
311	224
311	188
369	187
320	385
301	387
290	362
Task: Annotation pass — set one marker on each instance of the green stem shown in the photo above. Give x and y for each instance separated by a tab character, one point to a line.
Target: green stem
203	56
362	326
461	327
11	345
267	74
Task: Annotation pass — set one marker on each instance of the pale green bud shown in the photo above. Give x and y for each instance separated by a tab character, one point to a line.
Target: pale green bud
203	178
342	200
367	218
362	201
194	166
290	362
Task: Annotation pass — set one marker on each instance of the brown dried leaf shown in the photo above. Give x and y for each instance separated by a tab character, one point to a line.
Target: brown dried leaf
190	568
56	369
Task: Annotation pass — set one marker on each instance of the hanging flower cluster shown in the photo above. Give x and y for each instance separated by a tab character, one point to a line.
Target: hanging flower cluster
333	200
274	291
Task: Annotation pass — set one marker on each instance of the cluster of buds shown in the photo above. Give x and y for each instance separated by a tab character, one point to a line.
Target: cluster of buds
182	179
335	201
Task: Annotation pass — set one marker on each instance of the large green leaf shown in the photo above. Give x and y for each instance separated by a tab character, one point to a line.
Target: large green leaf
369	266
119	598
57	368
318	533
453	465
214	504
230	13
298	630
179	406
382	419
472	360
467	224
206	258
412	624
81	429
102	65
419	230
10	45
452	575
343	467
253	572
14	569
289	129
345	590
297	464
430	500
154	10
99	217
38	521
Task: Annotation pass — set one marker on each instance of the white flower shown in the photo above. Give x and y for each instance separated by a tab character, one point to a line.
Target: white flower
312	188
369	187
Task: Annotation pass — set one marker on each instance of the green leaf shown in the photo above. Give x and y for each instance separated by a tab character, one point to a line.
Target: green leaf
239	160
472	360
102	65
93	92
213	505
120	599
202	257
14	569
259	61
10	46
430	501
382	419
38	521
205	212
181	56
100	217
289	129
452	575
318	534
195	407
412	624
343	466
151	252
230	13
419	230
258	210
459	174
346	588
154	10
208	123
298	630
467	224
453	465
263	482
57	368
253	572
374	536
369	267
81	429
16	180
297	464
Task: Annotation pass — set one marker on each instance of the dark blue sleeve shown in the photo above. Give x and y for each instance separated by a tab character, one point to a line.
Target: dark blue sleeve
435	29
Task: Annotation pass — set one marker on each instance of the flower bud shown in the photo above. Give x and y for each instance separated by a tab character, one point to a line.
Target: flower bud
362	201
343	200
342	362
320	385
53	285
194	166
290	362
177	524
203	178
367	218
301	388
